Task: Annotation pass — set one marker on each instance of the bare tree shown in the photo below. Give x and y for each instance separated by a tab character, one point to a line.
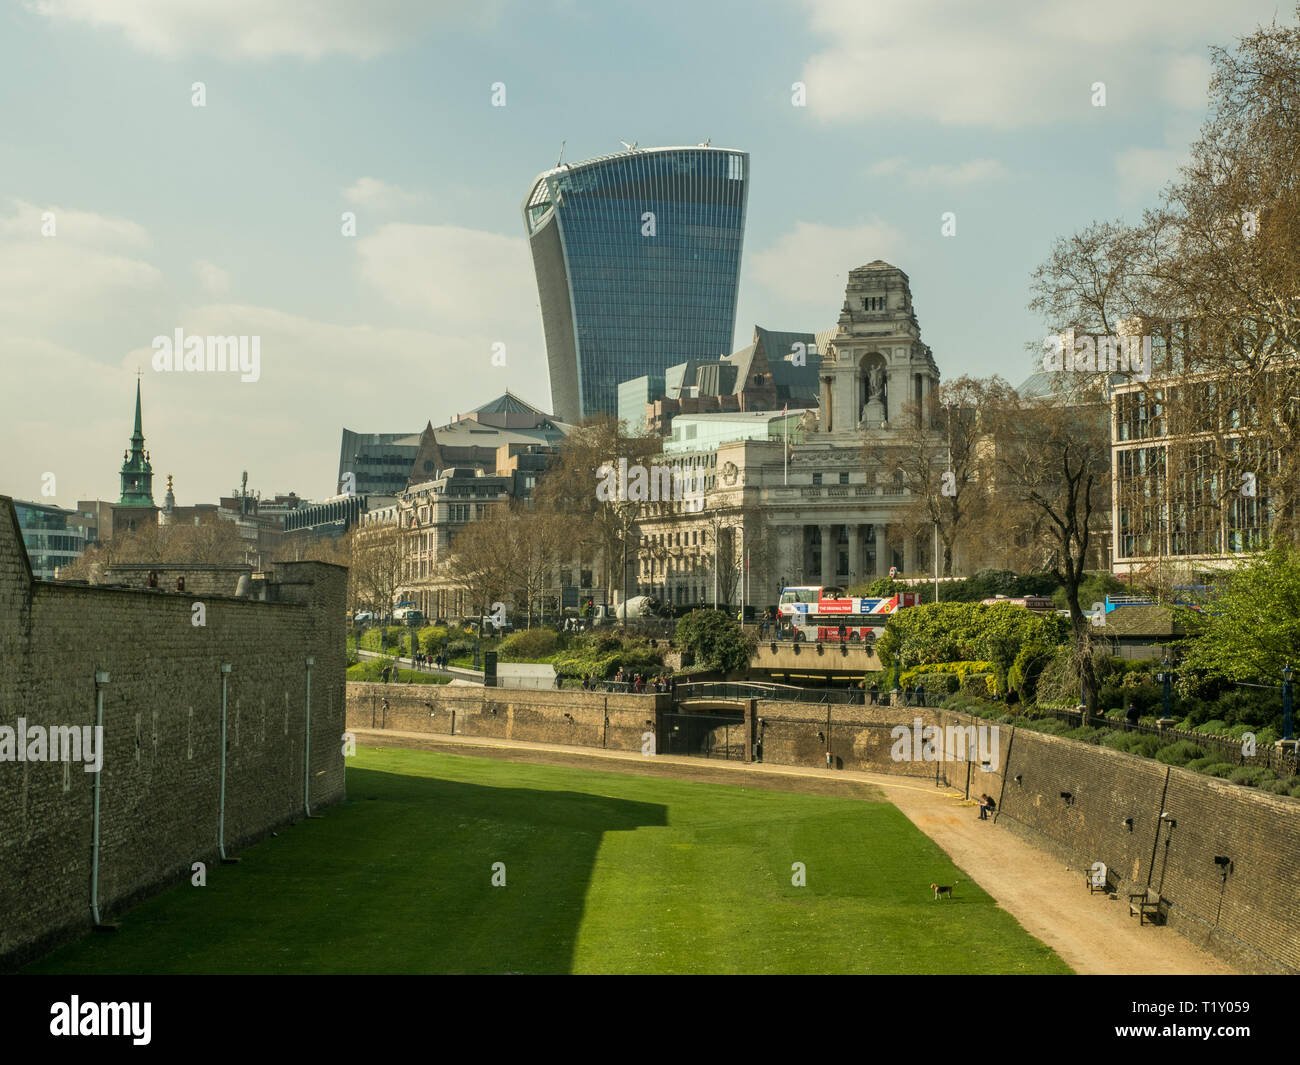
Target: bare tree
1052	460
376	565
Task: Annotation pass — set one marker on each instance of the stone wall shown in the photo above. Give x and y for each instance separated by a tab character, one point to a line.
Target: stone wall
587	719
162	706
1112	815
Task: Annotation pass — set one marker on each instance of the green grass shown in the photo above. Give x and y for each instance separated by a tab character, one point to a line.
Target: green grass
606	873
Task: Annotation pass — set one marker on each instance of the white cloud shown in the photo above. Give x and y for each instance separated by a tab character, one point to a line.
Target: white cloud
84	271
967	173
458	277
260	29
212	279
372	378
810	264
379	195
1011	63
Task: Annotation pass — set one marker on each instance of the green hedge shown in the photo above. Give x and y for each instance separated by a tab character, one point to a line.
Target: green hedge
960	669
1180	753
530	645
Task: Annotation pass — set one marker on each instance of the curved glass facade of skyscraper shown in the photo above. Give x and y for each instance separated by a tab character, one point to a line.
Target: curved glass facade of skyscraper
637	257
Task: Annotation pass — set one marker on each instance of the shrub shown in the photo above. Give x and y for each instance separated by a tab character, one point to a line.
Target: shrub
717	640
1220	769
1086	733
1279	787
978	685
1215	727
1179	753
531	645
1250	775
1027	667
949	670
1295	791
1197	765
952	684
1120	741
1147	746
432	637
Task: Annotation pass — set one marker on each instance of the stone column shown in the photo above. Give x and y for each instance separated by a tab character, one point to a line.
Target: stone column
909	555
855	553
828	559
882	555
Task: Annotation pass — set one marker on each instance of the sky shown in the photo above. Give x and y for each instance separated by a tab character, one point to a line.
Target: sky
127	212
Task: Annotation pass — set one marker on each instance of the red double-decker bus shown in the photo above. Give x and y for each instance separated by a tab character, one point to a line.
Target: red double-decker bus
809	613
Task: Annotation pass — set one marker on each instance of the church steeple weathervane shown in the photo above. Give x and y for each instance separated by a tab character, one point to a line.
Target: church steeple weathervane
137	472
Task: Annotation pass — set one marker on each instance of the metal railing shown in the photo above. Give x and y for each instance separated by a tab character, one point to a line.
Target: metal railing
1266	756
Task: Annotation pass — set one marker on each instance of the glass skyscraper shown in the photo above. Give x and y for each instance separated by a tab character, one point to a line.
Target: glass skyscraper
637	257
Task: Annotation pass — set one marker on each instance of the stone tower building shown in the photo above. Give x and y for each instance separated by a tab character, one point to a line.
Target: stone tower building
136	506
875	364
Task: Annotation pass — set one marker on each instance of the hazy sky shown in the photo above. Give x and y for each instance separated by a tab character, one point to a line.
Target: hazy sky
226	219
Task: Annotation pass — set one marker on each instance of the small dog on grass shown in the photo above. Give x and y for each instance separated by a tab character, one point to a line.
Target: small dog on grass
941	889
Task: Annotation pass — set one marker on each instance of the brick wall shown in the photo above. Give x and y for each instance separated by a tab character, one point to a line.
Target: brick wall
588	719
859	738
160	781
1248	918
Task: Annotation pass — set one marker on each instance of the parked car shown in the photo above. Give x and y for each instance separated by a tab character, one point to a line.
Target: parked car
406	615
365	617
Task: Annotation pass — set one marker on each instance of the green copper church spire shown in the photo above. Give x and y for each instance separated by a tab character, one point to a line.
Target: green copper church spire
137	472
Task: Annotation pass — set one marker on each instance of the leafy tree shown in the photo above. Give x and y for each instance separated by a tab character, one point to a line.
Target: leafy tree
960	632
1252	628
717	640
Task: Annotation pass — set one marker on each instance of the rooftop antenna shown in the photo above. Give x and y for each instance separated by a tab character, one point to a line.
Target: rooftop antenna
561	158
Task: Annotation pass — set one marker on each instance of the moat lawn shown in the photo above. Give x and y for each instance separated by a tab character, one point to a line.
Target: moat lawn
603	872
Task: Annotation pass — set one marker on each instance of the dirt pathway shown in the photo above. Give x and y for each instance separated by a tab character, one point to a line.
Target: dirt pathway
1094	934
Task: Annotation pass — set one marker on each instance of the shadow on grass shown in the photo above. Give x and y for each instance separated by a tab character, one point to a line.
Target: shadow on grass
398	879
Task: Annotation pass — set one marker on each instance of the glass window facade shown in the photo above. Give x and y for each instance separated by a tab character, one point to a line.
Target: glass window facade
651	244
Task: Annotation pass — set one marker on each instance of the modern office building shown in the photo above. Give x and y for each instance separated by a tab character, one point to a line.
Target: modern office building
383	464
52	536
637	257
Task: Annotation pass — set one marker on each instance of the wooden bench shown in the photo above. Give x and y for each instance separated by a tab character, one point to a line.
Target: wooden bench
1144	904
1097	878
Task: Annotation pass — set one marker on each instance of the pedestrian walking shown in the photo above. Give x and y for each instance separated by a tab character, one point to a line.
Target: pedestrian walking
920	694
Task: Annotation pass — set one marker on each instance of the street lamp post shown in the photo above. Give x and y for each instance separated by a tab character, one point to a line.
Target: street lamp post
1286	702
1165	679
